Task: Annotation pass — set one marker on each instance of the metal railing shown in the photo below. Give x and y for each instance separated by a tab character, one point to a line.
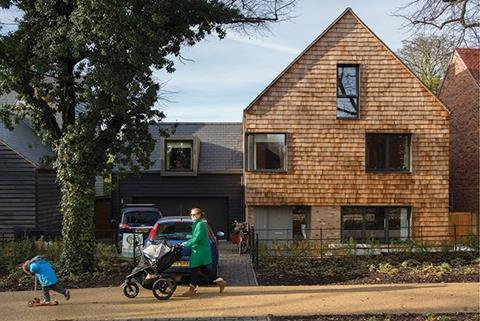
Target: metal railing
327	242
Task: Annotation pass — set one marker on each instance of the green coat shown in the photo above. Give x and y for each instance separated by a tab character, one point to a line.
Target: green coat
201	252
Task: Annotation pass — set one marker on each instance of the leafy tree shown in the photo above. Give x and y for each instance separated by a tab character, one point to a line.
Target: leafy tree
427	57
82	72
457	19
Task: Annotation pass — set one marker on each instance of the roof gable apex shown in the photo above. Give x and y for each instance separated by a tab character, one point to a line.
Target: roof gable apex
348	10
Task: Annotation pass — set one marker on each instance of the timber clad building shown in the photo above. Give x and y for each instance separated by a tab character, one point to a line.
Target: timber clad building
461	93
346	139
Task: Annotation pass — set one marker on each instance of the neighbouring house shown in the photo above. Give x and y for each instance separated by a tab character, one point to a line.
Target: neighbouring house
29	196
347	143
200	165
460	91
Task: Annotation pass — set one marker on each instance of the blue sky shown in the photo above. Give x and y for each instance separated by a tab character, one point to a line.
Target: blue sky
226	75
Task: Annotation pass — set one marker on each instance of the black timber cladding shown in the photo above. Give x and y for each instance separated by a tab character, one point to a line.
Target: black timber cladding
48	201
17	190
154	185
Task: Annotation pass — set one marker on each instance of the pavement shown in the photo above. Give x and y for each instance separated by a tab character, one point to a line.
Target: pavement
247	302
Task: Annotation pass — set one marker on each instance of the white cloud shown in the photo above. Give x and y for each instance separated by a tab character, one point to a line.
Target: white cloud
262	44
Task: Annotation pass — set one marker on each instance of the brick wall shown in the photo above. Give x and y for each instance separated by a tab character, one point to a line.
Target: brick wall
460	92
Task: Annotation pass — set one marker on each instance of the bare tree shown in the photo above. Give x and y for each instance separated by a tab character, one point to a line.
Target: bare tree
459	20
427	57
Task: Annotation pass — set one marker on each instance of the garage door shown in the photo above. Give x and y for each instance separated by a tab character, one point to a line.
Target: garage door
215	208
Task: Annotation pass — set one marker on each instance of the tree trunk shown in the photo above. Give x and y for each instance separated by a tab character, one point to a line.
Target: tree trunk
77	182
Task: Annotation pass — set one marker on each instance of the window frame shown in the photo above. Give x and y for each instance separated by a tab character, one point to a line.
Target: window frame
386	169
357	83
167	141
386	229
247	153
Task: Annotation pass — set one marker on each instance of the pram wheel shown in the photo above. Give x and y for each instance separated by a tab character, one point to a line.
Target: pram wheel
130	289
163	289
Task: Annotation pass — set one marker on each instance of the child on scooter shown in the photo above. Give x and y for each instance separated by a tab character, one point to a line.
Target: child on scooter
45	274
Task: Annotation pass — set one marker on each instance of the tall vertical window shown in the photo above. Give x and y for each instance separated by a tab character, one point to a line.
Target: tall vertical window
347	91
266	152
388	152
178	155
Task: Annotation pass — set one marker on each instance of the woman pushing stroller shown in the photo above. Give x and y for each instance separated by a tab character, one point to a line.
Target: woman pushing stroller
201	255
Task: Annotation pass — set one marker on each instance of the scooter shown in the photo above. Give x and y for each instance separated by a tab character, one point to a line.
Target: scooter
35	302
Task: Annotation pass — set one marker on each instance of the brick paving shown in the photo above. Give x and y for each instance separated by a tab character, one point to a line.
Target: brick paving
234	268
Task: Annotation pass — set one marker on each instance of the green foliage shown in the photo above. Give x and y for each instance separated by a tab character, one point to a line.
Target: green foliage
82	71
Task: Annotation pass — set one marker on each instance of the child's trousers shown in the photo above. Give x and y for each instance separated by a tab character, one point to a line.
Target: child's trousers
54	287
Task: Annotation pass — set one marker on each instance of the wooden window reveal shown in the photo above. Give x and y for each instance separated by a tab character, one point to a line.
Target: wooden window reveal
266	152
388	152
348	86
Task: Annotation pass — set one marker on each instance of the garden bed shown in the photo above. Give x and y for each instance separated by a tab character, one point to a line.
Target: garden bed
384	317
375	269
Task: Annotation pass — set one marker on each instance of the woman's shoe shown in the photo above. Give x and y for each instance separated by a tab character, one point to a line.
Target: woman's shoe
221	284
190	292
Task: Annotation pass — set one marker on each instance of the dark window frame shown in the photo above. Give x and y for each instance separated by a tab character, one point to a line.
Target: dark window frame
191	156
357	83
247	153
386	154
386	221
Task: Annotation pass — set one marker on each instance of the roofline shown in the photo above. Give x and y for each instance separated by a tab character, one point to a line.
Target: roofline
20	154
446	72
348	9
469	71
199	123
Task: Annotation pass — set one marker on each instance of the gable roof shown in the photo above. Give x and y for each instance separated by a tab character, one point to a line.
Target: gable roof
471	59
347	11
22	139
220	145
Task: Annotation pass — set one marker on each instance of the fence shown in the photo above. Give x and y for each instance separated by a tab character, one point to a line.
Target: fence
327	242
18	234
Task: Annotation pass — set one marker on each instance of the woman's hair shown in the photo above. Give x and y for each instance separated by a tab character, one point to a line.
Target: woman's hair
197	210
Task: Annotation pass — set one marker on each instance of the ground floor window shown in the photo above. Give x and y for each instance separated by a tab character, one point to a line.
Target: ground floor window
381	223
300	221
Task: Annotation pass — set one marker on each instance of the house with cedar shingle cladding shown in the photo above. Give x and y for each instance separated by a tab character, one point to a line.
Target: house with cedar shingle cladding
346	139
461	93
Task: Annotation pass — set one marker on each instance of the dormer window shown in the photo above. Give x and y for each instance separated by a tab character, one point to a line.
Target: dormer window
178	155
347	91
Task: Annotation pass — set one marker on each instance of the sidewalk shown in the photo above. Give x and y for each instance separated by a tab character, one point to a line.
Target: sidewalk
249	302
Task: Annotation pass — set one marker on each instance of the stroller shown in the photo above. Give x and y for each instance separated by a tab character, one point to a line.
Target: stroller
156	258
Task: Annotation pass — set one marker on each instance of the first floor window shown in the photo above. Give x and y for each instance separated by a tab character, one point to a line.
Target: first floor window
266	152
388	152
178	155
362	223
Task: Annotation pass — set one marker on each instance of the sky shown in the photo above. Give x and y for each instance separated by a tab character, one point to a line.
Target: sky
222	77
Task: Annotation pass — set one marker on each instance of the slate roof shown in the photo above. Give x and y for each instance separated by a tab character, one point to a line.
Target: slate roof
22	139
220	145
471	59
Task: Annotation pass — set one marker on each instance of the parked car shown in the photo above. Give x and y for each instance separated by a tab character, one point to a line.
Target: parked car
138	218
177	229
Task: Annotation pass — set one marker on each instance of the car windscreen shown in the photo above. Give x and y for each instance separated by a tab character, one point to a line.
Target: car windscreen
140	217
174	230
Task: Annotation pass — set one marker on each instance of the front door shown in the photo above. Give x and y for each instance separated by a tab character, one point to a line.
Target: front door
273	222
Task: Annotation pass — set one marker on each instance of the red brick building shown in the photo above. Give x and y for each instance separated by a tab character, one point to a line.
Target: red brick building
461	93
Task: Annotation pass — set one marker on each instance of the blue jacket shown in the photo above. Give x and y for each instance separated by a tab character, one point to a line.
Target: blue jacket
43	270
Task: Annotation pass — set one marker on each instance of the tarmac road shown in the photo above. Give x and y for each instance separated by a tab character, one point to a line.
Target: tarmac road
110	304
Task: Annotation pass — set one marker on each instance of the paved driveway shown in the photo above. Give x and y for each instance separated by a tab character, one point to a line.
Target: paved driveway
236	269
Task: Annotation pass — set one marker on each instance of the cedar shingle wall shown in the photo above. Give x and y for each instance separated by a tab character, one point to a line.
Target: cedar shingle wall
461	94
326	156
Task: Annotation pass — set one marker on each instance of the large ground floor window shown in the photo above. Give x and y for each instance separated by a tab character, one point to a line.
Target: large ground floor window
381	223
